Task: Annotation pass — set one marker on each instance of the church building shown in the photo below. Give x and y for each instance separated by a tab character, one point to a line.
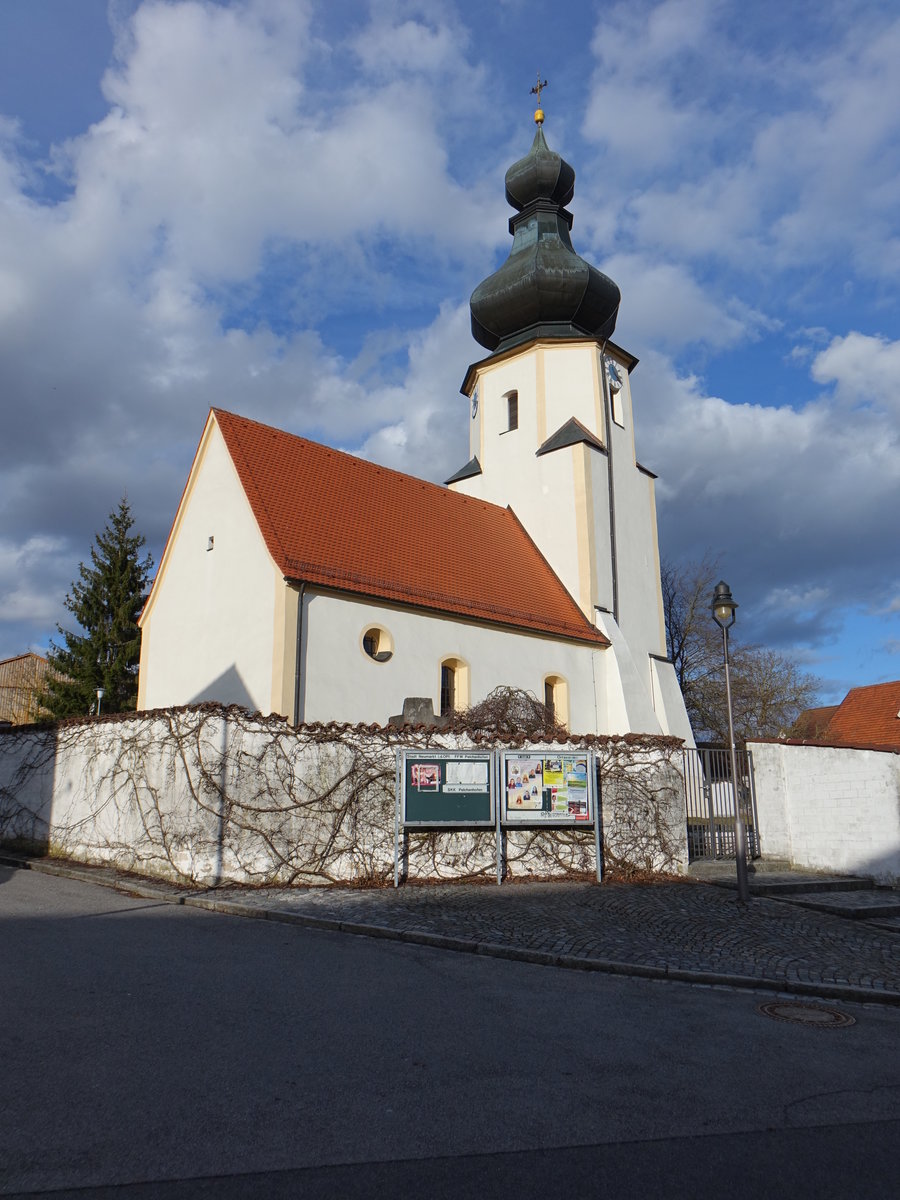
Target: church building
307	582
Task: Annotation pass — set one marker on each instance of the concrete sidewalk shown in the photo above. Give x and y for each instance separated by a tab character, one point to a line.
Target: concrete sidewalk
682	931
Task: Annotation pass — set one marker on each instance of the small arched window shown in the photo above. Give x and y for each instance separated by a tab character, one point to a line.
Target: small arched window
512	410
556	699
454	686
448	689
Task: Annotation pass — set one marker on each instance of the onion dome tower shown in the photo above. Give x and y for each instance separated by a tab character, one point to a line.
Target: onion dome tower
551	438
544	289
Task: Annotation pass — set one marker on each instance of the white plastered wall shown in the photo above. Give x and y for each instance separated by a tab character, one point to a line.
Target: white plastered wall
637	543
829	807
629	703
547	492
208	630
668	702
341	682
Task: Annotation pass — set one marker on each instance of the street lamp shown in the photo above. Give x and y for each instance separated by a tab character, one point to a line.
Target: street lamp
100	695
724	607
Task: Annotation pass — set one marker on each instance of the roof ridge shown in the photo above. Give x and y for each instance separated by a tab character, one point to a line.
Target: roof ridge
439	489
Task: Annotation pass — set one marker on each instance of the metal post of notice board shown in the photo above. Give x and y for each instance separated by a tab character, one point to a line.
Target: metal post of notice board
397	828
598	851
499	833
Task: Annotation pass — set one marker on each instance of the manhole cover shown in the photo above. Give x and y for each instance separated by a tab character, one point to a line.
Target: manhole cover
807	1014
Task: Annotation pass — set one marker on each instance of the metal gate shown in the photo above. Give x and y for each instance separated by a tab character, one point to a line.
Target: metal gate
709	803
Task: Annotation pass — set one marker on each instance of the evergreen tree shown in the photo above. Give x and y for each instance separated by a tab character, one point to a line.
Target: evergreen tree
106	601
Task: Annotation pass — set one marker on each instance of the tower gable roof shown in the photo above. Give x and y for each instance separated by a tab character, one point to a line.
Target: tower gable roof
336	521
572	433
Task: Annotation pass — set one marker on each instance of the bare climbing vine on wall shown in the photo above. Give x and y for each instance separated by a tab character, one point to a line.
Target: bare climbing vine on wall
208	793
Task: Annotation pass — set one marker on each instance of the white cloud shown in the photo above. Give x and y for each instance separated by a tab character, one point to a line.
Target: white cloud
634	108
864	369
795	500
719	141
114	309
796	599
424	420
664	306
422	39
25	569
212	147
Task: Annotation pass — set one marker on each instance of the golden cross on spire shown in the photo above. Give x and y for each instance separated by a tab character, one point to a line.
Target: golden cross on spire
536	91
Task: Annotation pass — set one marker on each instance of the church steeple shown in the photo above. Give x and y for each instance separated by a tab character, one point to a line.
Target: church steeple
544	289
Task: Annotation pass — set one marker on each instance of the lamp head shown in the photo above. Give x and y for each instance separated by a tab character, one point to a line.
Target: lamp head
723	605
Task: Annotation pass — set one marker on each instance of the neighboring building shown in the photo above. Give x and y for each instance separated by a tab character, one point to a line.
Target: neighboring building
812	722
307	582
22	680
867	718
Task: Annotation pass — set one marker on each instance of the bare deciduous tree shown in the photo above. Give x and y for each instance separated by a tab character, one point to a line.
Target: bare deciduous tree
511	711
768	689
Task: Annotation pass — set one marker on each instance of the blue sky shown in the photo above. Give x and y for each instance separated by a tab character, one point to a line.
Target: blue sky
281	207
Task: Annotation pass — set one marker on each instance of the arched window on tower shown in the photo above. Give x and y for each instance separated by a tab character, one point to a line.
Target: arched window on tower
512	410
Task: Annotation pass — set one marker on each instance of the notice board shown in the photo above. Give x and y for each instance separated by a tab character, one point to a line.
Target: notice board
547	787
446	788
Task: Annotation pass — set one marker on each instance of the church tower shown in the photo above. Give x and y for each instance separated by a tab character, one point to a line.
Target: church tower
552	438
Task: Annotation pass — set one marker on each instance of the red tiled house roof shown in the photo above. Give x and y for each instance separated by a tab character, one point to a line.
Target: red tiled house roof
813	722
337	521
868	716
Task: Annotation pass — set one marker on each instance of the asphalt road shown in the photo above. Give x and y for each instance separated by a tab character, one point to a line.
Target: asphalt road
152	1050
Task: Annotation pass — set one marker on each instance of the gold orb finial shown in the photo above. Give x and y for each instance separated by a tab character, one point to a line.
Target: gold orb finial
536	91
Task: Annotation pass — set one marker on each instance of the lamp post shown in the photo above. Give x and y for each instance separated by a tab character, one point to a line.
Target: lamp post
100	695
724	607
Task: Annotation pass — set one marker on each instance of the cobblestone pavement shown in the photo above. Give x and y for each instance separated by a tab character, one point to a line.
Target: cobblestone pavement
677	931
688	931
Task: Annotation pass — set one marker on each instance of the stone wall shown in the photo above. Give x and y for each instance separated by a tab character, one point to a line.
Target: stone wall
206	793
829	807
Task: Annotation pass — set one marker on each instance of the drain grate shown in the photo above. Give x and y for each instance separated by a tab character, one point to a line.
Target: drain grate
807	1014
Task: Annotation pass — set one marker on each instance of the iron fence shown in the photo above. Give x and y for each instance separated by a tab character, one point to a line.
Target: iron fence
709	802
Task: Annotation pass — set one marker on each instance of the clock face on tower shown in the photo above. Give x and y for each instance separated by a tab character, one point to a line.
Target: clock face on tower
612	374
475	403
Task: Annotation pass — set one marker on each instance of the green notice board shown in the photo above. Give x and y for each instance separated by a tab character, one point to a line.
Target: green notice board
449	788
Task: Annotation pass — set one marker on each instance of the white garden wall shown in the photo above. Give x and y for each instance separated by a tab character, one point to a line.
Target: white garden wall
208	794
829	807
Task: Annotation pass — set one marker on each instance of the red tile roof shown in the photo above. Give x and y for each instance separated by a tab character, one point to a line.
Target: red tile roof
340	522
813	722
867	716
